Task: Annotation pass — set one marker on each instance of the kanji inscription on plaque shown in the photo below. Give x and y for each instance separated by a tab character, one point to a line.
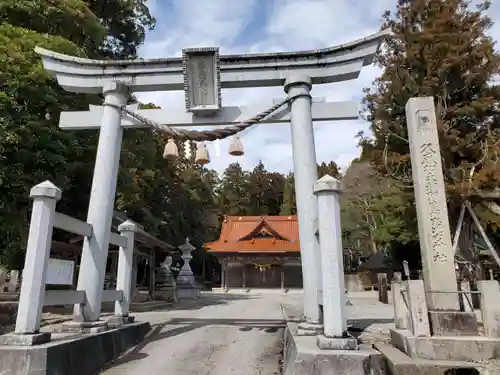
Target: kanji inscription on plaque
202	80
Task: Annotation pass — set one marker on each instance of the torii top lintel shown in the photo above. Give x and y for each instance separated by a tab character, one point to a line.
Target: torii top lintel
334	64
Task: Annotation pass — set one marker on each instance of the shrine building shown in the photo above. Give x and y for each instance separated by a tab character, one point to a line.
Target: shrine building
258	252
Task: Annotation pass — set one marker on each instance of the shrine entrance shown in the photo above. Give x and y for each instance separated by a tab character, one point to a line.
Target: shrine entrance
258	252
202	73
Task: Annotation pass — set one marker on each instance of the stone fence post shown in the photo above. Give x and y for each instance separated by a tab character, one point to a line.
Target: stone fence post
125	269
45	197
490	306
3	275
419	317
382	288
400	304
328	190
14	281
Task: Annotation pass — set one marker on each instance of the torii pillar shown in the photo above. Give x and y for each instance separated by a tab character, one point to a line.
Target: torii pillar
201	73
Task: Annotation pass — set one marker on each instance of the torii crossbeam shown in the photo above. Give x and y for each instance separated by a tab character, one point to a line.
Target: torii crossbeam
321	111
202	73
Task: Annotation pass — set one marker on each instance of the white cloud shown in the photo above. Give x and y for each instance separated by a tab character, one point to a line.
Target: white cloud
290	25
193	23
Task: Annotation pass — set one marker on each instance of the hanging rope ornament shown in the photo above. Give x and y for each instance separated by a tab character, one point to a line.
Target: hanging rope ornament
171	151
187	149
217	147
262	267
236	146
202	156
205	135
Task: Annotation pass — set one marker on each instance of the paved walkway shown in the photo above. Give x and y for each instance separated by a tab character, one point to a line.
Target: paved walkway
234	333
221	334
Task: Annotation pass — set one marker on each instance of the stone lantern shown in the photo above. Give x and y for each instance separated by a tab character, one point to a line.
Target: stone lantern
187	288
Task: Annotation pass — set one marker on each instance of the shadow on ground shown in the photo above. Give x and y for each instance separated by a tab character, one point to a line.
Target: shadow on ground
140	307
210	300
356	327
183	325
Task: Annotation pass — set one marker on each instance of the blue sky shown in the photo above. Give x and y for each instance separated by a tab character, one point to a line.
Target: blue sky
247	26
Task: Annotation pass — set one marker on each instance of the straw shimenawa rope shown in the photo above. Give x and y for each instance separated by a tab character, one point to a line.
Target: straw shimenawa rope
205	135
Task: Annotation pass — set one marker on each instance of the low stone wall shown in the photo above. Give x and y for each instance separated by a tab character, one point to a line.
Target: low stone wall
353	283
8	306
166	294
9	280
8	314
80	354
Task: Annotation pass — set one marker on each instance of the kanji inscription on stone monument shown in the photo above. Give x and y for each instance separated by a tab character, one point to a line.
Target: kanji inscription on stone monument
433	226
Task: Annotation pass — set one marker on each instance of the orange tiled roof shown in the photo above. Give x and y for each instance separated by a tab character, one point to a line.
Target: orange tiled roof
243	234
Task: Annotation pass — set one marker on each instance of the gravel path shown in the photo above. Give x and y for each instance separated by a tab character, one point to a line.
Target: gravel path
234	333
220	335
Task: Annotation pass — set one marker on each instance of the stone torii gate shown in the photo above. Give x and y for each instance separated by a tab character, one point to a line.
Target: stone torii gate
202	73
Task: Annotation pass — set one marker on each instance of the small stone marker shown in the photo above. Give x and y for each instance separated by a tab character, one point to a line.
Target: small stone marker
14	280
406	269
400	304
3	274
490	307
432	212
419	319
382	288
466	296
397	277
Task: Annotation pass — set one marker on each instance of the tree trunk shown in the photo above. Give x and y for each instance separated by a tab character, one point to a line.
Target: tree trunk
373	244
466	240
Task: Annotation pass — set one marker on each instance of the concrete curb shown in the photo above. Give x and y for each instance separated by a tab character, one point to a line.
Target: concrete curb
80	354
399	363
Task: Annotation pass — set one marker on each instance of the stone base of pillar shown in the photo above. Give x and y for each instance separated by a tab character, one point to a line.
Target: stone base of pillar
117	321
187	291
309	329
15	339
337	343
85	327
166	293
453	323
446	348
303	356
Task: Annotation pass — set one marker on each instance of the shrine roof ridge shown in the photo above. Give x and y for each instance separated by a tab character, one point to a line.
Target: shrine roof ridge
257	218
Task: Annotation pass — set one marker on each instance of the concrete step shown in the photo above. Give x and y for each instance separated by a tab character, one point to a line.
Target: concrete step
398	363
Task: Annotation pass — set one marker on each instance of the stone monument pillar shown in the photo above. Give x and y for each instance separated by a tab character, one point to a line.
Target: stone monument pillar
186	284
432	213
438	258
